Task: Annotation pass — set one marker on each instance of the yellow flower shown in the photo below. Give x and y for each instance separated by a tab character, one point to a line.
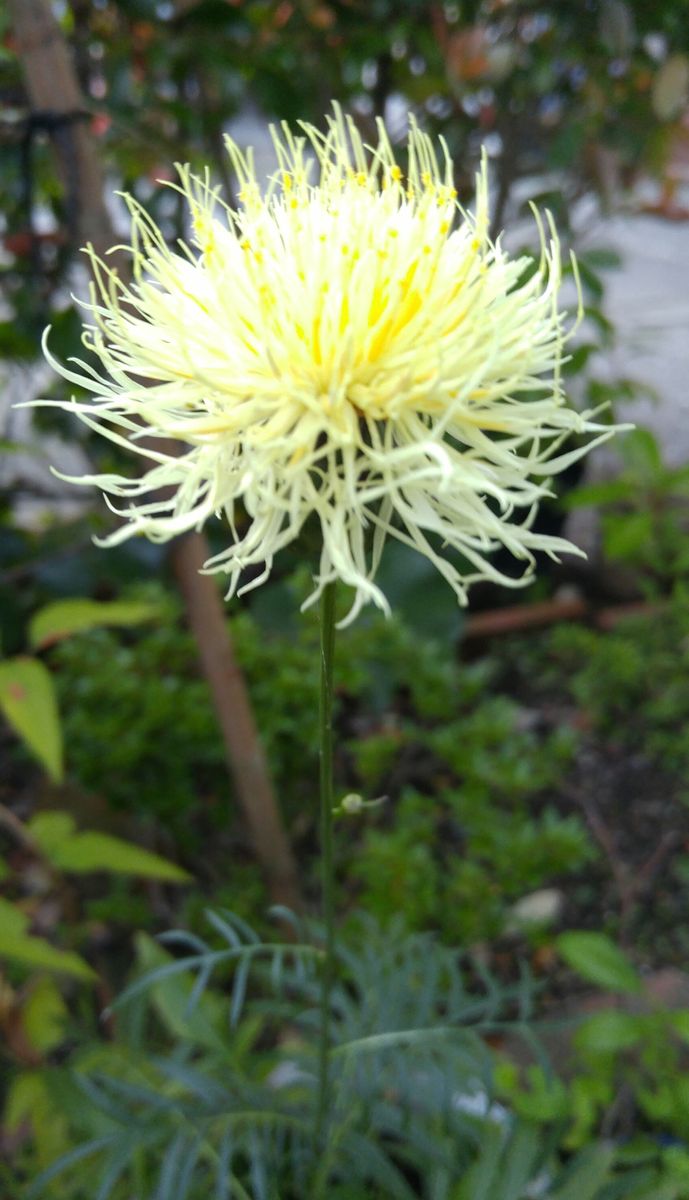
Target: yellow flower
350	344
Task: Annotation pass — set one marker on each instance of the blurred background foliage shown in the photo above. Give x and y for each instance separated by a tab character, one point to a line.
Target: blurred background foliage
535	784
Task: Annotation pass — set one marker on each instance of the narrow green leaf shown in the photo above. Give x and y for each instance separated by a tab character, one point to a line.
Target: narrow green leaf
114	1168
372	1160
480	1179
27	698
37	1187
63	618
586	1174
520	1162
596	958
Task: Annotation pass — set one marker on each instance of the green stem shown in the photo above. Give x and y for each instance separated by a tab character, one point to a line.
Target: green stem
327	882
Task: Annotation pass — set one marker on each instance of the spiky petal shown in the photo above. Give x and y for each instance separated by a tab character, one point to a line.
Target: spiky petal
350	344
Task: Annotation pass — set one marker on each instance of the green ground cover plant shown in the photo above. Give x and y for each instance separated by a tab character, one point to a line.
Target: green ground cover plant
630	681
476	760
469	783
196	1096
478	814
644	515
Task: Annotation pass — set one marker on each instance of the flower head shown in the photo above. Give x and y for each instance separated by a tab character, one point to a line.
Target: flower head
349	344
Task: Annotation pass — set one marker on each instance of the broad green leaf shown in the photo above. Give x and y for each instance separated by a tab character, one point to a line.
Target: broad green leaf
679	1021
50	829
579	356
13	921
641	450
44	1014
24	1096
611	492
29	1100
35	952
102	852
596	958
70	850
415	593
23	947
602	258
608	1032
63	618
27	698
170	997
14	343
629	535
590	280
544	1099
604	327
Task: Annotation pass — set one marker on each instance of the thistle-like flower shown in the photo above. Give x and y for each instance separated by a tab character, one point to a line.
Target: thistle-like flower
349	344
